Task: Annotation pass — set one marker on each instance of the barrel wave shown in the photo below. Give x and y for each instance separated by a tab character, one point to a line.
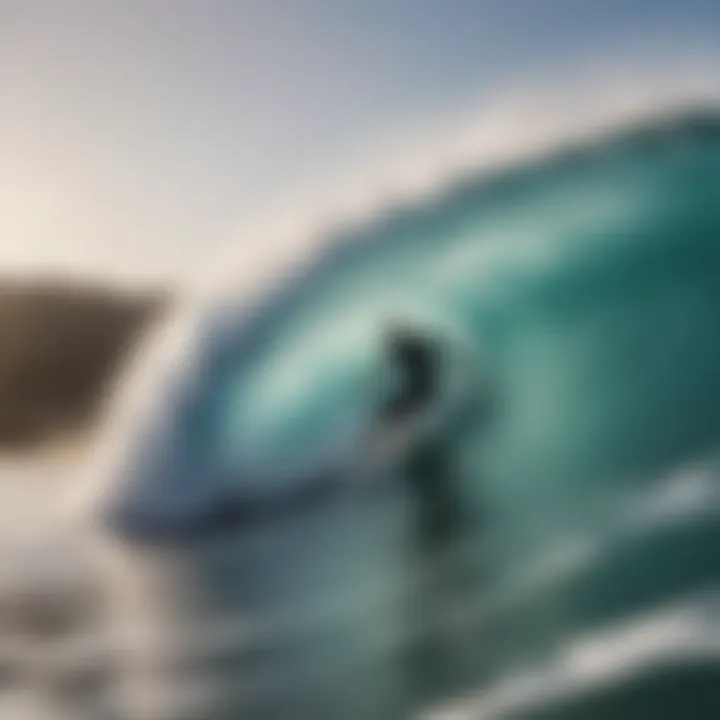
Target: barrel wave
585	284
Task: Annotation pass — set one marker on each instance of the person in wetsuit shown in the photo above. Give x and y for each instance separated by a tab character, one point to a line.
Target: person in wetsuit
415	361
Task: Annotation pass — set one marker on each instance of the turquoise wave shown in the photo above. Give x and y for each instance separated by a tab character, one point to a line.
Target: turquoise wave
585	285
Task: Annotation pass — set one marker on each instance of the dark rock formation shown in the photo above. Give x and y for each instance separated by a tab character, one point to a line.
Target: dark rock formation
60	344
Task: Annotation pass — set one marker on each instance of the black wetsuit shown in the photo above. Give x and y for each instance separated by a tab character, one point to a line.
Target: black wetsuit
425	468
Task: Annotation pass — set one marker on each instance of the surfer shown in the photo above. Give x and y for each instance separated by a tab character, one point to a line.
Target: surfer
414	394
421	417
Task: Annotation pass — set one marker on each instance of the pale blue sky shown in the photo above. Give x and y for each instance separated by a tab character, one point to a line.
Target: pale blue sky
136	134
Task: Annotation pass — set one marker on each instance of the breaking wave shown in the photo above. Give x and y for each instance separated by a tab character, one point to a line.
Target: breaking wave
583	279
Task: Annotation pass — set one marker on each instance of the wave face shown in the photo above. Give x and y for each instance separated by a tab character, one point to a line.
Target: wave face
586	284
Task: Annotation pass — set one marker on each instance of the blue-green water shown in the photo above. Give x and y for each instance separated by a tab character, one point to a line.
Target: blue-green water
580	578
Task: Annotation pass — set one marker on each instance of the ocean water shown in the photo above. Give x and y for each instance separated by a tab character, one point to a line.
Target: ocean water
578	576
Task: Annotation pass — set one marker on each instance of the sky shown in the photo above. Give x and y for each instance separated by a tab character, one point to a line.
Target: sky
140	139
